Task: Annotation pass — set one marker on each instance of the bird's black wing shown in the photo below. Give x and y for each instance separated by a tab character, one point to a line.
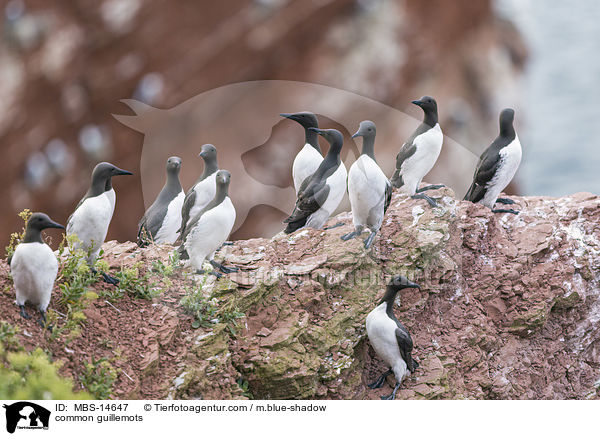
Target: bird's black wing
405	345
388	196
484	172
309	201
188	203
407	150
9	259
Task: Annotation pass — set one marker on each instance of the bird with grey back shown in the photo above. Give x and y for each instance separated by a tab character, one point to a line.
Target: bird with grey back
309	157
34	267
369	189
419	153
162	220
209	228
497	166
92	216
203	191
389	338
320	194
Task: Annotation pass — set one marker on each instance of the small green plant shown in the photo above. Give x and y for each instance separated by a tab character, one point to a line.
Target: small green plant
203	310
206	311
136	284
31	376
230	318
75	276
16	238
243	384
75	281
98	378
8	336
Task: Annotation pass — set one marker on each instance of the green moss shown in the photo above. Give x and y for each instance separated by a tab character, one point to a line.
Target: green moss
566	302
530	321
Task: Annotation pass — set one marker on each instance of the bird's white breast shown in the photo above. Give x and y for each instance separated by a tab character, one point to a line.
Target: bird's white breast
428	147
167	234
90	222
337	188
381	330
510	158
210	232
305	164
34	268
366	189
205	192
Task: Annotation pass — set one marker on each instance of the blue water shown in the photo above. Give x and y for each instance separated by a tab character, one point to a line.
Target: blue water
561	132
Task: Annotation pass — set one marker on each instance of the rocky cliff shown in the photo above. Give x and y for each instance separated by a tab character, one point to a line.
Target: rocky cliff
508	309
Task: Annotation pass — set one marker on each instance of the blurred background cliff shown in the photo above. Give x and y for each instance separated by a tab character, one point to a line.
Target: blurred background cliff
65	66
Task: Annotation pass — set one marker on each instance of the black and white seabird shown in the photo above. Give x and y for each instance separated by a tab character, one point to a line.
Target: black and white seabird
419	153
34	267
321	193
369	189
162	220
93	214
309	158
203	190
497	166
208	229
389	338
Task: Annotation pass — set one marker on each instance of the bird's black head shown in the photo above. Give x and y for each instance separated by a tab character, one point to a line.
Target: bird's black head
334	137
507	117
174	165
366	129
429	106
209	152
36	223
40	221
427	103
305	119
400	282
395	284
102	175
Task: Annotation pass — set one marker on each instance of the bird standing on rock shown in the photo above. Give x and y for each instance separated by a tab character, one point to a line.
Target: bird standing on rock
497	166
389	338
203	190
369	189
321	193
419	153
309	158
93	214
207	231
162	220
34	267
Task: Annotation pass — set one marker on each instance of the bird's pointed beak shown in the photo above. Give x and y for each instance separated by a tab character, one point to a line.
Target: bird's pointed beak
356	134
286	115
315	129
55	225
413	285
121	172
202	154
417	102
